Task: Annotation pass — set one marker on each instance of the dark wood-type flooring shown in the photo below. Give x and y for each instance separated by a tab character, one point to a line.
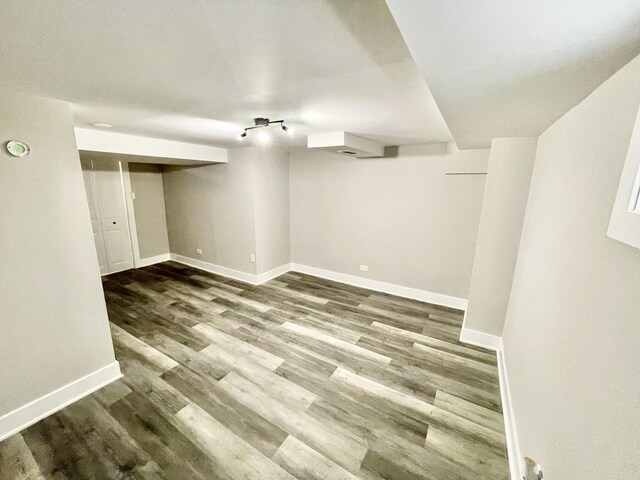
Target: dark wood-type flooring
296	378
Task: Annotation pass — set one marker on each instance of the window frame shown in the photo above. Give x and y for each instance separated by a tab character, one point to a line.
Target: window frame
624	224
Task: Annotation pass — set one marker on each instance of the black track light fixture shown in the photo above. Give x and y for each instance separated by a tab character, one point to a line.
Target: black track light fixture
262	122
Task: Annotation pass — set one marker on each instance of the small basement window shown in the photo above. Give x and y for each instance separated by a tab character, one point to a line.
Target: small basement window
625	218
634	201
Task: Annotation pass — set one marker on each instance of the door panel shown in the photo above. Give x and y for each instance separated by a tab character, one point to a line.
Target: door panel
96	225
110	213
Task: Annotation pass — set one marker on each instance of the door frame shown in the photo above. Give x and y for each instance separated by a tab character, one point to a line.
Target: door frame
130	212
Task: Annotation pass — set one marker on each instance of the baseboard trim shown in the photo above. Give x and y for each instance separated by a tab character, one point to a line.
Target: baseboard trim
217	269
245	277
273	273
480	339
378	286
34	411
145	262
511	432
493	342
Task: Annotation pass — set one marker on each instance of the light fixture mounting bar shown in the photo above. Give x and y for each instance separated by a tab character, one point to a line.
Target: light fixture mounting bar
261	122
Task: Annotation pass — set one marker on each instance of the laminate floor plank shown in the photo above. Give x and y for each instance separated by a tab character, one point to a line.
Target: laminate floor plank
154	358
16	460
465	409
255	430
345	409
245	351
337	444
302	461
333	342
300	377
155	433
443	345
233	457
289	394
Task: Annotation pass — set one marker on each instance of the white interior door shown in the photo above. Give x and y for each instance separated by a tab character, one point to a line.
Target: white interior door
109	206
96	224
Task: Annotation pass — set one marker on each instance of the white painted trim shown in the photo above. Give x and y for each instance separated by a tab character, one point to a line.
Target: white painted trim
406	292
34	411
131	214
273	273
477	338
114	142
480	339
511	432
217	269
231	273
624	224
378	286
145	262
493	342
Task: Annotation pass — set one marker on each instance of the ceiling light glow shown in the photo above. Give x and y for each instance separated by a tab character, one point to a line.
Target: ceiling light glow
263	136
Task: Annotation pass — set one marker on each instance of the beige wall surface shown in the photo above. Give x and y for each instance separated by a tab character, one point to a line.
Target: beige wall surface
52	311
411	224
271	208
572	332
212	208
151	220
503	209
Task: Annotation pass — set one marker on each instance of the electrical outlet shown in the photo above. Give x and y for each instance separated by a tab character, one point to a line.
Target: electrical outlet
364	268
199	251
252	258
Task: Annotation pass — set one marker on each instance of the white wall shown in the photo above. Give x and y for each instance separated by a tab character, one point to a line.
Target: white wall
212	208
402	216
271	208
503	209
149	208
52	312
572	332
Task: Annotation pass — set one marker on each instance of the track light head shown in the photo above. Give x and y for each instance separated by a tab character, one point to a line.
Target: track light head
242	135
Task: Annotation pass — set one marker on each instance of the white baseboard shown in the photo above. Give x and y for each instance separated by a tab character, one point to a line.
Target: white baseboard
480	339
493	342
511	432
22	417
145	262
378	286
273	273
217	269
252	279
245	277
